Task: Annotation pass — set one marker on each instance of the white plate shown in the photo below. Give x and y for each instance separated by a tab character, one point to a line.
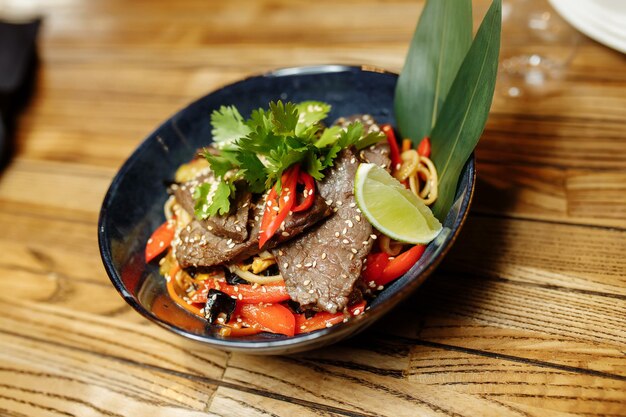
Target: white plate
602	20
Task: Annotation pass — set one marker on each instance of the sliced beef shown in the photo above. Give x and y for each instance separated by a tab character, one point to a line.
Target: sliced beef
232	225
197	246
321	267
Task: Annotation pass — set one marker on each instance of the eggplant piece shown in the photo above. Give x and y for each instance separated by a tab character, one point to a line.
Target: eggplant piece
219	307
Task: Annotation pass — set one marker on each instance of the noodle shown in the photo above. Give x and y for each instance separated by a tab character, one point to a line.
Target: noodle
257	279
415	166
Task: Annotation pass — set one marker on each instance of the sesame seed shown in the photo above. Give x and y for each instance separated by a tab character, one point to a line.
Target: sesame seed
275	208
239	296
298	265
344	231
329	202
149	240
238	228
352	205
236	288
324	255
210	228
351	256
280	252
307	282
339	203
335	210
365	242
161	244
303	327
353	251
285	234
371	284
308	264
220	319
229	241
357	218
336	234
358	210
380	288
311	291
352	160
269	203
234	296
346	241
314	263
373	236
357	312
329	325
286	265
263	289
349	222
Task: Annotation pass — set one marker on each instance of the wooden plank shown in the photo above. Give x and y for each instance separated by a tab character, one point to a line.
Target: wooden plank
334	377
537	391
597	195
45	379
149	345
550	193
229	402
569	256
554	327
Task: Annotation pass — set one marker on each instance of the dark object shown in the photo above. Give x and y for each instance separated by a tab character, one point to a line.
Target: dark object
218	306
18	60
133	206
200	247
233	279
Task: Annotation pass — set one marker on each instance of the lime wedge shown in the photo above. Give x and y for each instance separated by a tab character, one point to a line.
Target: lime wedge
391	208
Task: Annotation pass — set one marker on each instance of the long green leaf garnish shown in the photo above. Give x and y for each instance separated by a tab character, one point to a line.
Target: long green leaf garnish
440	42
466	108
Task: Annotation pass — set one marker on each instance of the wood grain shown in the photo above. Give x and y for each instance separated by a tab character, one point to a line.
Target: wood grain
525	317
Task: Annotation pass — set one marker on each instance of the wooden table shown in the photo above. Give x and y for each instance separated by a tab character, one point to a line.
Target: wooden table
526	316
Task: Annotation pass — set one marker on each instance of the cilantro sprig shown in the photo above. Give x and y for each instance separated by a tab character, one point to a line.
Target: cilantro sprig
258	150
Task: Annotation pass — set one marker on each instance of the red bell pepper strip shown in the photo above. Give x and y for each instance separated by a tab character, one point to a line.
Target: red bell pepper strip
160	240
400	265
374	267
324	319
268	293
273	318
396	160
309	192
424	147
277	208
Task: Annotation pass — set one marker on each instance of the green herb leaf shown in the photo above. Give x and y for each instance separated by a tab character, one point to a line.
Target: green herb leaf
284	117
220	165
252	170
351	135
465	111
329	136
212	199
228	126
440	42
370	139
310	114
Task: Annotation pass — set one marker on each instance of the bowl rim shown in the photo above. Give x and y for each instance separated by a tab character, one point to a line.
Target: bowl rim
291	343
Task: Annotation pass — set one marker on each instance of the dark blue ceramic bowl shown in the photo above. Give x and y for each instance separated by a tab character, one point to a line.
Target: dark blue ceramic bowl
133	206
